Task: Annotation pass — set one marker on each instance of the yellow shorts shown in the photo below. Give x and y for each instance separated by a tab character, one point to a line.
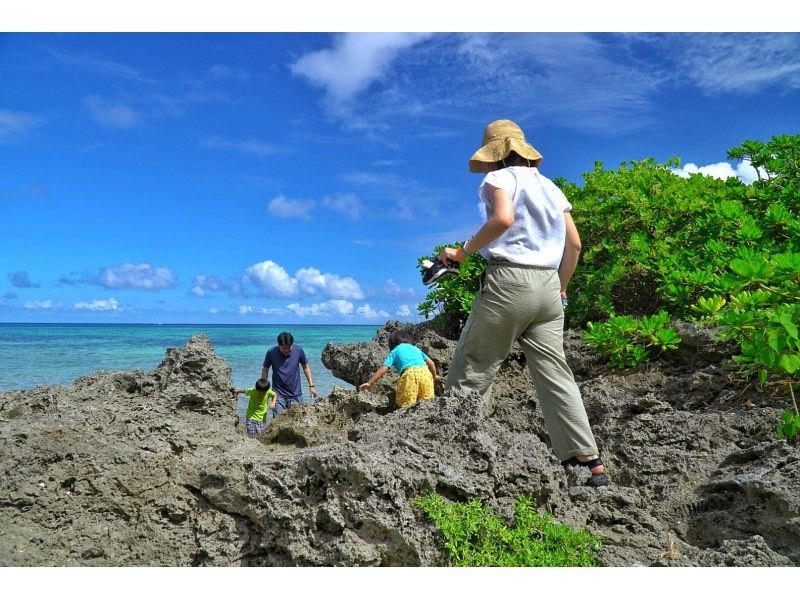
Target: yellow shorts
415	383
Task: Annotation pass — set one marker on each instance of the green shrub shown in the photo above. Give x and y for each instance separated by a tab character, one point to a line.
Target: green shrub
474	537
626	341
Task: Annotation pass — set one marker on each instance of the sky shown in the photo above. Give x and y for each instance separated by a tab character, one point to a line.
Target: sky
264	177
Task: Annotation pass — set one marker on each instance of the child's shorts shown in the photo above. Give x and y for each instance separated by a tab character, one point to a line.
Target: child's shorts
255	428
415	383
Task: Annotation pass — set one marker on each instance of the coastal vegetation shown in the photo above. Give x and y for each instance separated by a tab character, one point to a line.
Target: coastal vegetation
475	537
658	247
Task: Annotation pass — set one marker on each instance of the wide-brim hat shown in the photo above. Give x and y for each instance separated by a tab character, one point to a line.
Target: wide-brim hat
500	138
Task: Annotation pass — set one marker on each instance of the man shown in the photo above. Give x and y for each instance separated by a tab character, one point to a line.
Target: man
285	361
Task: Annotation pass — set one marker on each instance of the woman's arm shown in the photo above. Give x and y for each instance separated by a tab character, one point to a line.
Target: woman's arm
572	251
501	218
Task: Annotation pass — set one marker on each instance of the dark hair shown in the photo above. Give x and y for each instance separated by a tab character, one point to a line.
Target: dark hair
513	159
262	385
285	339
399	336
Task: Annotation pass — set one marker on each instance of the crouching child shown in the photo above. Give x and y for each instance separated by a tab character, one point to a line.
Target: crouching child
417	370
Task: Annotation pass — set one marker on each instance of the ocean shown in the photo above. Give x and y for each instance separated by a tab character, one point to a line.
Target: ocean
34	354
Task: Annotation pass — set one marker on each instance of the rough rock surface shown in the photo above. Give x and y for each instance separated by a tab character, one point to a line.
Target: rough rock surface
136	468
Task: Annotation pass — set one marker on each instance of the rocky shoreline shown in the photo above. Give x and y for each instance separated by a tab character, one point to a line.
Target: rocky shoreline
152	468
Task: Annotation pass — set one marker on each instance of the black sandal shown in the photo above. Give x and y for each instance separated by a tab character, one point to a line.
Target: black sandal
597	479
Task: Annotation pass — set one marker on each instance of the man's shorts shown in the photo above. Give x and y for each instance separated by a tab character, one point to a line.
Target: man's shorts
415	383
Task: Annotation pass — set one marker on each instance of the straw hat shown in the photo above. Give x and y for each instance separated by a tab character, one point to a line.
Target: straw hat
500	138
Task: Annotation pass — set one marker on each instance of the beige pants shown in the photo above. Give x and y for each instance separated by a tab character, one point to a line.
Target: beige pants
523	303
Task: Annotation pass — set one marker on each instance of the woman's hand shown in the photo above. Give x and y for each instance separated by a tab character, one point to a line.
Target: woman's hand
452	254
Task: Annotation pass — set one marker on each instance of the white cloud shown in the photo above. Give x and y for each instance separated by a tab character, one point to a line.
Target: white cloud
272	279
99	64
13	124
338	307
355	61
213	311
737	62
395	290
114	115
743	170
245	309
367	311
347	204
46	304
403	311
136	276
202	284
256	147
332	285
282	207
221	72
99	305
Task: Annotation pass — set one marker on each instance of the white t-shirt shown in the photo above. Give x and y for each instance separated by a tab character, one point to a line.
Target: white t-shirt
536	237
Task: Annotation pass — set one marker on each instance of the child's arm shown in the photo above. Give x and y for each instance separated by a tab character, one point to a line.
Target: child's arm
431	366
273	401
236	392
375	377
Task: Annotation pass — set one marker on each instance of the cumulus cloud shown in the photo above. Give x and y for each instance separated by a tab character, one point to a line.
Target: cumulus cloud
338	307
111	114
743	170
367	311
100	305
283	207
354	62
403	311
136	276
312	280
21	280
245	309
14	124
274	281
346	204
46	304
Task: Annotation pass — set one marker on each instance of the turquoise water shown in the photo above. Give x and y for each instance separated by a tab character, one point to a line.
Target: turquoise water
33	354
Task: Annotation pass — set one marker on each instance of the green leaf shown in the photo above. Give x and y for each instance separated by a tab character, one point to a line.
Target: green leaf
786	321
789	363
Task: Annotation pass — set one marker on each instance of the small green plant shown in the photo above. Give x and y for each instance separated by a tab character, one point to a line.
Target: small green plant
627	342
790	427
475	537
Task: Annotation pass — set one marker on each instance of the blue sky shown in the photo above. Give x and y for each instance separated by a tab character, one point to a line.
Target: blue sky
297	177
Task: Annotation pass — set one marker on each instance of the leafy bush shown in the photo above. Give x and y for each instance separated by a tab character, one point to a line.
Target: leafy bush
627	342
474	537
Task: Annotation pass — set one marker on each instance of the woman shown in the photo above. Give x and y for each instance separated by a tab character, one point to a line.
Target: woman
532	247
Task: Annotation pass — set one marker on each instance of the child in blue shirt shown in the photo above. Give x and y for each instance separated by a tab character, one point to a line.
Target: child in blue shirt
416	370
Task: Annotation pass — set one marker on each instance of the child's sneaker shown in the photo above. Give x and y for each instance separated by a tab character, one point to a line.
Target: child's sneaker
432	271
